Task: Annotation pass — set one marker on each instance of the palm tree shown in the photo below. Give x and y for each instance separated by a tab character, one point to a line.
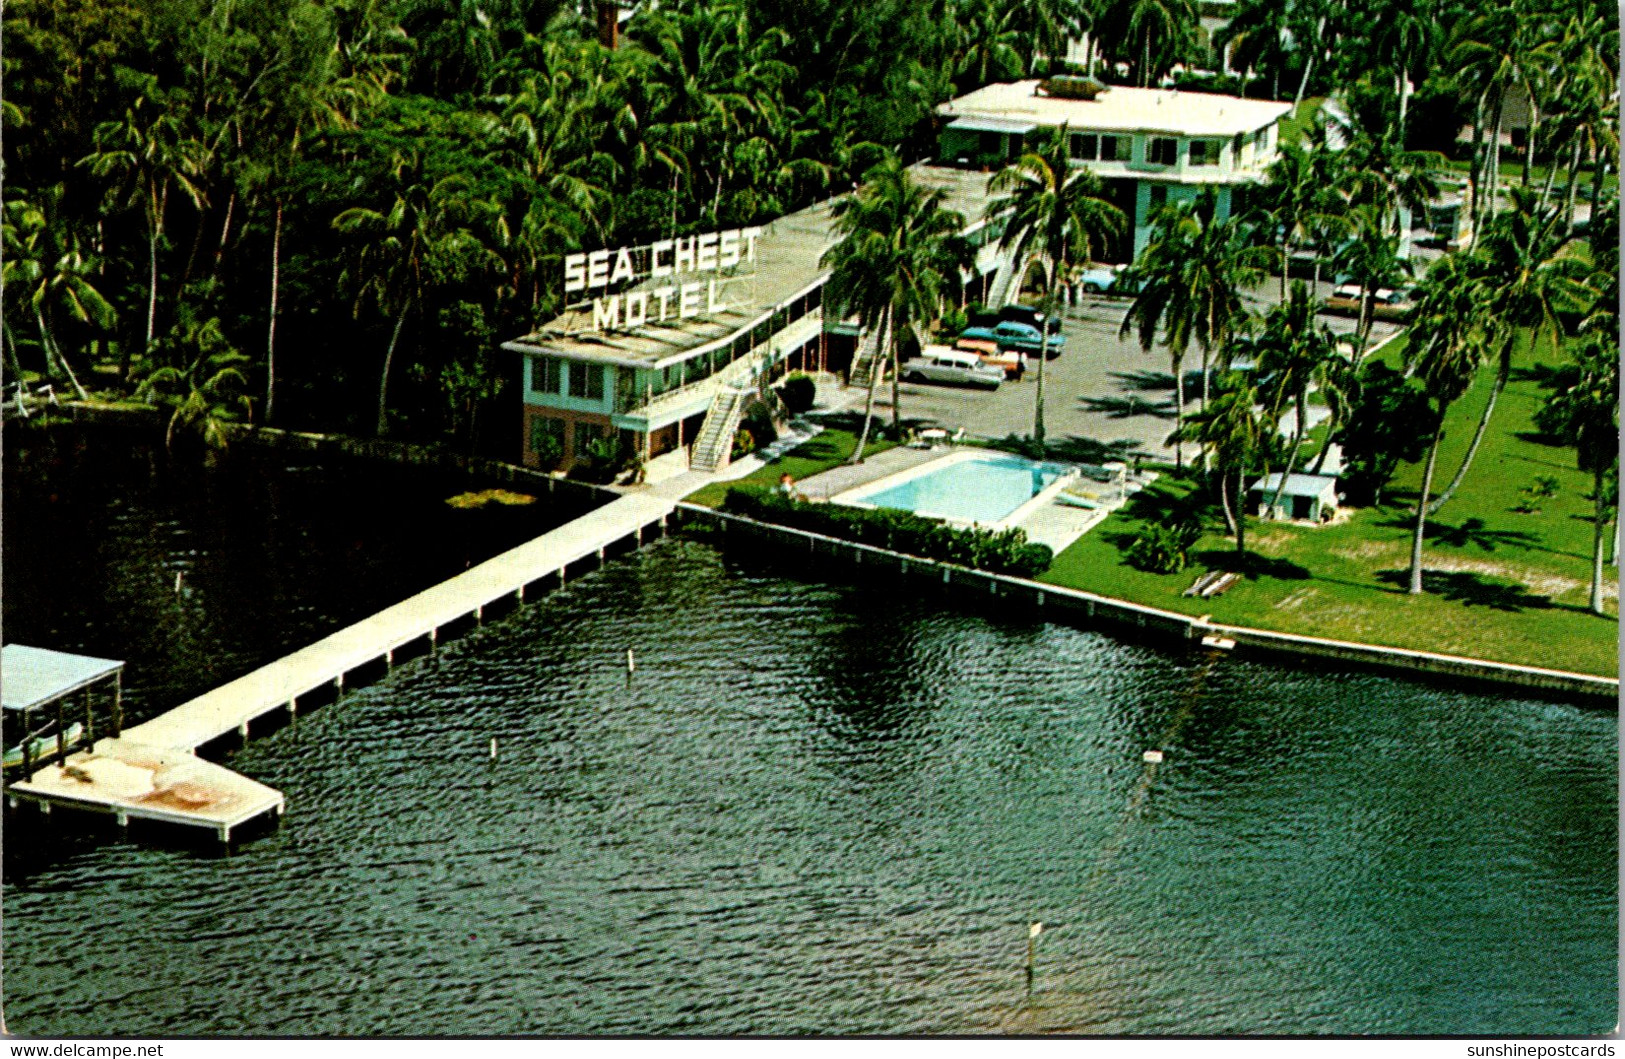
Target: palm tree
206	395
898	250
1371	259
1154	34
1292	352
1499	52
1055	217
1407	33
1303	200
45	265
1231	429
1586	415
427	222
1530	277
1256	35
1162	301
992	45
1448	325
145	154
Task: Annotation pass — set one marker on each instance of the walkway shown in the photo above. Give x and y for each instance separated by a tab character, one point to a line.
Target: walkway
150	772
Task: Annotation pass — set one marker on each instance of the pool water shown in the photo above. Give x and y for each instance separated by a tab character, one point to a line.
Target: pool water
980	489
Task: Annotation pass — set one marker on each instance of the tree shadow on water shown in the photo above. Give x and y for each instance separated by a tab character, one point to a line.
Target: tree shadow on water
1470	589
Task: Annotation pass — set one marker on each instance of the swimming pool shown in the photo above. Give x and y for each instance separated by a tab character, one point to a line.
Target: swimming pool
982	487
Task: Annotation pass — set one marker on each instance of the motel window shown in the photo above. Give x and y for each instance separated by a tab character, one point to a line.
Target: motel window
544	374
1085	146
1116	148
587	381
1235	148
1162	150
1204	152
992	143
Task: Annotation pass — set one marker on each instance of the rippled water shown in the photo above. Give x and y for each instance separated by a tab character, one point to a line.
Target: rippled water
834	808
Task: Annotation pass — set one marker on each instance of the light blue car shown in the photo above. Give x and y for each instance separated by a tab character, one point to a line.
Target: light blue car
1103	279
1012	335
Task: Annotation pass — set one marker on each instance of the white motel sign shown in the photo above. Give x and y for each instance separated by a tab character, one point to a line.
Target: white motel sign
696	256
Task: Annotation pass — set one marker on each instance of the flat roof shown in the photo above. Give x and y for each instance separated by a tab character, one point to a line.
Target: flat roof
33	676
787	254
1297	484
1120	109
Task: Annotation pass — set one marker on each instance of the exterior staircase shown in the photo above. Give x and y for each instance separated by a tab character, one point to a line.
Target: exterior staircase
868	359
714	447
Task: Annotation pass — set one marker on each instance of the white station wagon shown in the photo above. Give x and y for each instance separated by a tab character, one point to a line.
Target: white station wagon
956	366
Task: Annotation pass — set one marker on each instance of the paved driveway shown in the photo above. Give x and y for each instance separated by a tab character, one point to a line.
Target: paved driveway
1102	391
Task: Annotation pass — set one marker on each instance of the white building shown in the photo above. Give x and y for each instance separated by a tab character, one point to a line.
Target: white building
1150	145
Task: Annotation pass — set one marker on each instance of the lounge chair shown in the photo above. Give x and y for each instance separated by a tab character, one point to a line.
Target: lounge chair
1220	586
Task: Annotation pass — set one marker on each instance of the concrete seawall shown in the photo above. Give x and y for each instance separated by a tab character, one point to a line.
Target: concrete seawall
1065	603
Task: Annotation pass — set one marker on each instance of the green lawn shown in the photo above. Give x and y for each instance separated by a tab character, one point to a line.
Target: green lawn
820	453
1502	585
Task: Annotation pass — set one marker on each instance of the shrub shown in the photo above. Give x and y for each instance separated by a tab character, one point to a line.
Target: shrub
798	393
954	322
1163	549
998	551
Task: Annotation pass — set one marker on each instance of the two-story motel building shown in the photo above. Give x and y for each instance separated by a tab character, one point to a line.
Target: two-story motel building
1150	146
663	340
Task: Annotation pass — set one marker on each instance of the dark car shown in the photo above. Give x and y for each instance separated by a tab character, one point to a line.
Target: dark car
1026	314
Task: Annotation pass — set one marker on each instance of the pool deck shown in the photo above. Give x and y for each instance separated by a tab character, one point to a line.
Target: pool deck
1052	523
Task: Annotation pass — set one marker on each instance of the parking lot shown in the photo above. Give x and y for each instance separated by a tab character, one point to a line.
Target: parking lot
1102	391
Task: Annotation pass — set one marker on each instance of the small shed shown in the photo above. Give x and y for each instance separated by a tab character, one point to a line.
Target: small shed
48	703
1306	497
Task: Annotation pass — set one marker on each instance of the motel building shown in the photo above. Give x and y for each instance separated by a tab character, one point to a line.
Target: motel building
1149	146
661	347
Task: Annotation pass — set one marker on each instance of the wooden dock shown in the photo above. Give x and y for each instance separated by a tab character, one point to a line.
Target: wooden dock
152	773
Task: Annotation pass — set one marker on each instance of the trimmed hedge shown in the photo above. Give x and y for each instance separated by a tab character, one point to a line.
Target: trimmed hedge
997	551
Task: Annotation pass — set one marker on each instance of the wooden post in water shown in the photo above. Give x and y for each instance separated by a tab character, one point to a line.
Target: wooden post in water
1032	955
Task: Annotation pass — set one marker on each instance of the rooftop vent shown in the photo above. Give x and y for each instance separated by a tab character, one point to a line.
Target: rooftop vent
1070	86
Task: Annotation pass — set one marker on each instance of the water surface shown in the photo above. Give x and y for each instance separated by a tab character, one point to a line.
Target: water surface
835	808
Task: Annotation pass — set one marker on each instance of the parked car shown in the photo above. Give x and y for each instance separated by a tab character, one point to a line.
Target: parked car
956	366
1019	336
1009	361
1103	279
1389	304
1026	314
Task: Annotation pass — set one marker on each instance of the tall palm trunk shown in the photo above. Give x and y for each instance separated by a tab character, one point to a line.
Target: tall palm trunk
155	231
1573	184
1309	67
1494	163
270	330
1241	510
1529	143
869	397
1292	457
895	357
1179	412
52	350
389	358
1224	505
1422	509
16	366
1598	534
1038	395
1501	374
1475	172
225	235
